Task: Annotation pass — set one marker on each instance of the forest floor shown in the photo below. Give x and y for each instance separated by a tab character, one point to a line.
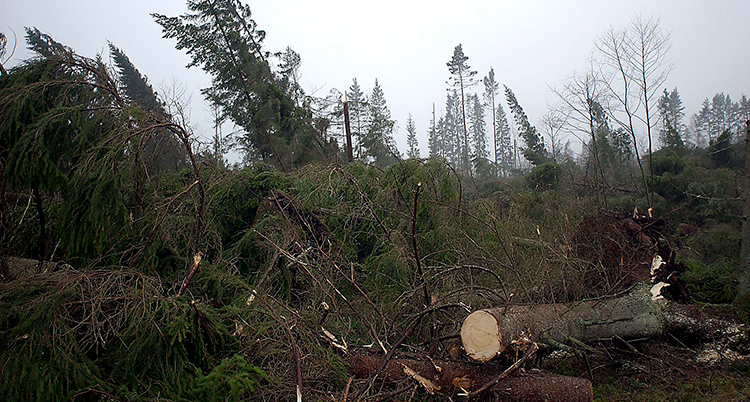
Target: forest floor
659	371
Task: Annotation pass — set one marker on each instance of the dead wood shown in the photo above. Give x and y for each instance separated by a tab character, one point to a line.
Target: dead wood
509	371
189	277
620	248
634	315
457	379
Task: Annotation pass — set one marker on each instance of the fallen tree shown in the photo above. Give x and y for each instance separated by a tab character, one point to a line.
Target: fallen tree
636	314
457	379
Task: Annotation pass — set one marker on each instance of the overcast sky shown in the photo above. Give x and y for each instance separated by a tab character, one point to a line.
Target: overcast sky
532	45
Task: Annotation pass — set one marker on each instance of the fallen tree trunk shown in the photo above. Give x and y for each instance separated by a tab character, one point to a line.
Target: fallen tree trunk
489	332
458	379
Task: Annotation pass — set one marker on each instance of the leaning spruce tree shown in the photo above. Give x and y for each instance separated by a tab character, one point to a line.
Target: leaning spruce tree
162	151
534	150
221	37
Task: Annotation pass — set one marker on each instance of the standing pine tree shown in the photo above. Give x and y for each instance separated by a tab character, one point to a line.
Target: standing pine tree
221	37
438	144
462	78
411	138
534	151
491	89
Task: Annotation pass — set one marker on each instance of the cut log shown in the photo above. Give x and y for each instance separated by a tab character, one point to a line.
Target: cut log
487	333
458	379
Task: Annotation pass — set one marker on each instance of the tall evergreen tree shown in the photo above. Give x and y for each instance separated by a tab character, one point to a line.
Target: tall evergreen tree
411	138
221	37
452	129
534	150
717	116
437	146
377	143
503	142
478	128
53	142
702	121
163	150
462	78
135	86
357	114
432	136
672	112
491	89
445	130
743	109
289	65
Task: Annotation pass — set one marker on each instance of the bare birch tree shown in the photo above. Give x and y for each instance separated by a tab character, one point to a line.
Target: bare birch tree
634	60
582	96
553	123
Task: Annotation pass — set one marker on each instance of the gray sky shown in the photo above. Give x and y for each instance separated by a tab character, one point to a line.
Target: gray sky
532	44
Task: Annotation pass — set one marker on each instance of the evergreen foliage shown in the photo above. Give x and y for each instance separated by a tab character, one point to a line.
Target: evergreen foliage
534	151
289	74
358	114
478	128
135	86
222	38
503	143
500	144
377	143
433	140
411	138
462	78
450	129
718	115
44	44
672	112
161	151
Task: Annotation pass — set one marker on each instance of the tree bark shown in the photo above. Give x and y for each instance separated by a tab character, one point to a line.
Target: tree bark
457	379
487	333
42	241
349	152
